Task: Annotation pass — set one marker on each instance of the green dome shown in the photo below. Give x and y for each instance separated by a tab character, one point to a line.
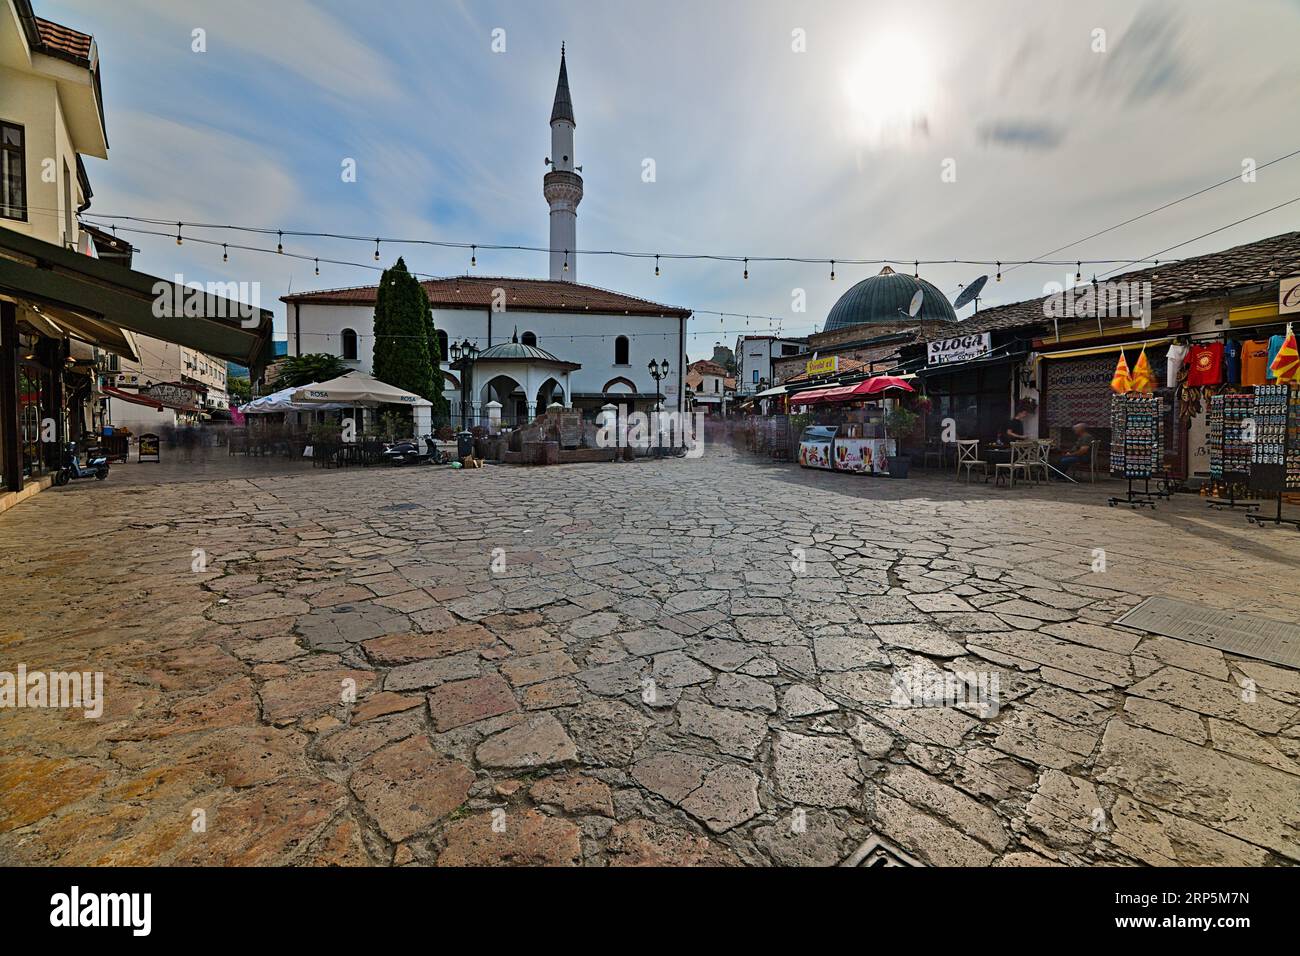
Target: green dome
884	298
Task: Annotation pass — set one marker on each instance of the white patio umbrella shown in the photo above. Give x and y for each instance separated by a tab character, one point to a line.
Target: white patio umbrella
358	389
282	401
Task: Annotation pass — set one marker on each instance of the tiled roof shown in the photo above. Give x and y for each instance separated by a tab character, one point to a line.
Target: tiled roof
707	367
61	40
1212	274
477	292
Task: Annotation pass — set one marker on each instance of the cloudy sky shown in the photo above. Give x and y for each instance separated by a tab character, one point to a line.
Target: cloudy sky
816	129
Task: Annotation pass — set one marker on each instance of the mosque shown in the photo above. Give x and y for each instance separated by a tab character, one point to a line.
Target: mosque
537	341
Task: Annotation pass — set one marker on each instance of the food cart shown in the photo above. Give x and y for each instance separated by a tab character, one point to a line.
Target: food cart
848	429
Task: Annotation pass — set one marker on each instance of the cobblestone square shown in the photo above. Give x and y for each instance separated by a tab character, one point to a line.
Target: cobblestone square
688	662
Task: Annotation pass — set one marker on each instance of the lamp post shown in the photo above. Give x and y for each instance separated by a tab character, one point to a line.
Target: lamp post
659	372
462	357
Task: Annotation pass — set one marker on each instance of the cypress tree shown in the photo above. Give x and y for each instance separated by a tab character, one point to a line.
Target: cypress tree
406	342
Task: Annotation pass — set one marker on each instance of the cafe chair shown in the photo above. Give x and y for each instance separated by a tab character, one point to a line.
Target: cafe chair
1024	455
1042	463
968	458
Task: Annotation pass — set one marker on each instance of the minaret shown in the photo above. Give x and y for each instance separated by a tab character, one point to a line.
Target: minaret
562	186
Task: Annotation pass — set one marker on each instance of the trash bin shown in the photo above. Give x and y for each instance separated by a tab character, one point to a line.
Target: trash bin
464	445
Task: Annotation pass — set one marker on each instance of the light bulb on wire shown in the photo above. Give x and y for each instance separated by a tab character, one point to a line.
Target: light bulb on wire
279	245
376	250
656	267
473	256
225	256
179	240
832	270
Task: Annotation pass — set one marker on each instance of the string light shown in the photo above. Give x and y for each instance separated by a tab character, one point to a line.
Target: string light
832	270
916	269
656	267
999	272
1078	272
566	260
279	245
179	240
318	267
746	268
225	256
376	250
473	256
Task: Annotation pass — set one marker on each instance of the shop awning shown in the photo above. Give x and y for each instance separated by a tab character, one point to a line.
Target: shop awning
769	393
847	393
1104	349
99	293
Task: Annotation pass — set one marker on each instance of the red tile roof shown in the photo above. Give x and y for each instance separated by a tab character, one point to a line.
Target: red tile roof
60	40
477	292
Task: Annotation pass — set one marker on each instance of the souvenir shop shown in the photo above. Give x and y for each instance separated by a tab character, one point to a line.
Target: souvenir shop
1249	392
846	428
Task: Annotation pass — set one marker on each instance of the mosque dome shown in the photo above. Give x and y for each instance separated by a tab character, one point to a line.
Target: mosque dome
883	300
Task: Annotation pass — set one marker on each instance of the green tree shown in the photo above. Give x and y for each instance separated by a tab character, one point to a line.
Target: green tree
299	370
406	353
239	389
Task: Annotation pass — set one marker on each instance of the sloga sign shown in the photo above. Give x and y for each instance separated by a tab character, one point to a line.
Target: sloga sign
961	348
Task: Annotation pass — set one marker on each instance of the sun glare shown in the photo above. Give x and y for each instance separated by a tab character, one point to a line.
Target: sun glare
889	91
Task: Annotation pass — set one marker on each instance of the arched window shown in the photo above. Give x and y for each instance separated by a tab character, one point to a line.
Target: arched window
620	351
442	346
528	338
349	345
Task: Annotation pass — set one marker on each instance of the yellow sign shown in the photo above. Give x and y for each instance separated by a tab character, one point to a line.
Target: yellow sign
823	366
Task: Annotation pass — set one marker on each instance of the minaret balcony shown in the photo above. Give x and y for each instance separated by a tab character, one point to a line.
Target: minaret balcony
562	186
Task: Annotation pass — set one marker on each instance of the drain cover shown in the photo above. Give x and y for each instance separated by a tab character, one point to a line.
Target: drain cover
877	851
1262	638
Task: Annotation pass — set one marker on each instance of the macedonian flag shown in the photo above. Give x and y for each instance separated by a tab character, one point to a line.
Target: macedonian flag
1286	366
1142	381
1121	383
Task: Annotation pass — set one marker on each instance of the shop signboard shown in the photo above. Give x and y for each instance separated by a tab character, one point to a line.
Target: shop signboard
1288	296
149	447
823	366
961	348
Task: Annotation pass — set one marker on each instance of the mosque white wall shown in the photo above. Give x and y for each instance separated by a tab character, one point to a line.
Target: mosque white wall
587	338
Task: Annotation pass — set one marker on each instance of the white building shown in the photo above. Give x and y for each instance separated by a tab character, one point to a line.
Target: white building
754	355
169	385
579	345
710	389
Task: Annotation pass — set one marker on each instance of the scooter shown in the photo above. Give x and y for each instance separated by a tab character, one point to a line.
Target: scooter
72	469
403	452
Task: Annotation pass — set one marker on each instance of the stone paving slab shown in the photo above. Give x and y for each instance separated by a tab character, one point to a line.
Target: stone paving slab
720	661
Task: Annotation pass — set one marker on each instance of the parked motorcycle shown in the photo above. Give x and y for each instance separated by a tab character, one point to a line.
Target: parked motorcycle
403	452
96	467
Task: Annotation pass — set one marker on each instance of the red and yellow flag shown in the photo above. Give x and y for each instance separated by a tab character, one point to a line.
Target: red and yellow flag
1286	366
1143	380
1121	383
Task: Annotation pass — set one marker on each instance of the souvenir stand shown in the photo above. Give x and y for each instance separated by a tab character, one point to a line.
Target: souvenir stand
1275	452
1230	455
847	432
1137	446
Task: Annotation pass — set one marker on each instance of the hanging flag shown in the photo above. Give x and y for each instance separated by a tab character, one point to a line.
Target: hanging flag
1143	380
1121	383
1286	366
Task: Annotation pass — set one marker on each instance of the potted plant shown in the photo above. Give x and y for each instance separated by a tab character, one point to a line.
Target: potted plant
899	424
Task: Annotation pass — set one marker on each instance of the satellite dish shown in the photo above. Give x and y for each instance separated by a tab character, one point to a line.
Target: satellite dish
970	293
915	305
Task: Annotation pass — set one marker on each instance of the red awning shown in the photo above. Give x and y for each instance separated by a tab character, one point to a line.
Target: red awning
132	397
848	393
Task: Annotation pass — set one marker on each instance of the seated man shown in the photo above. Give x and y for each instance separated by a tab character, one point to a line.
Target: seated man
1081	452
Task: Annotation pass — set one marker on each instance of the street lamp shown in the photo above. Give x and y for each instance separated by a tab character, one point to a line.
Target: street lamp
462	357
659	372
